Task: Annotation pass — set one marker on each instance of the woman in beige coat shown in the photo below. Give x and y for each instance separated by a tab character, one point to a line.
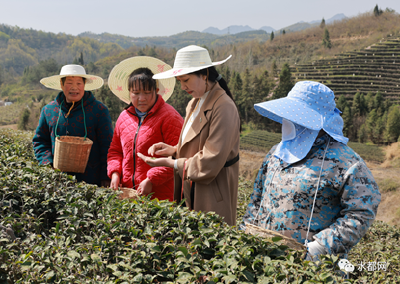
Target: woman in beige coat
207	154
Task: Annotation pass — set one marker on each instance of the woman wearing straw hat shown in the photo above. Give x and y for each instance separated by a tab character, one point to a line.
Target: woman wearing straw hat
145	121
75	112
312	186
206	167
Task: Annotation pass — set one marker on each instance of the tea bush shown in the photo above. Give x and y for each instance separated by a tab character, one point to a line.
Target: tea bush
69	232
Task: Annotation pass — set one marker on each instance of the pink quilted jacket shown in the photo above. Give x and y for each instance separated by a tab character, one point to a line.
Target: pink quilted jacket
161	124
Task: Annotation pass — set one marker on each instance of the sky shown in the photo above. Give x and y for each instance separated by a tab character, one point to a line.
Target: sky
168	17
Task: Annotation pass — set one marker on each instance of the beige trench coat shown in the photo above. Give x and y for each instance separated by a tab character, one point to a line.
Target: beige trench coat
212	140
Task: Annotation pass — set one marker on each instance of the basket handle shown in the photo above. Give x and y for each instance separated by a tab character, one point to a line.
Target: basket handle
84	119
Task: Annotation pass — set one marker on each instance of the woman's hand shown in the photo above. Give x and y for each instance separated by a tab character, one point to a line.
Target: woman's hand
162	149
115	179
154	162
145	187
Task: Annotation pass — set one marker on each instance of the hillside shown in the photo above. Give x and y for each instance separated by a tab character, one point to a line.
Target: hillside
372	69
20	48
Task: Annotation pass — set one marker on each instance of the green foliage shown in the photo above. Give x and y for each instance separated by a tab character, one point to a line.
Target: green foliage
285	83
114	104
380	244
322	24
393	124
271	37
33	75
260	140
341	104
377	11
68	232
326	41
362	134
372	153
23	120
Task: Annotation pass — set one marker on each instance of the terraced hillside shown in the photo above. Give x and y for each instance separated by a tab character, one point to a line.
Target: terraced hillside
375	68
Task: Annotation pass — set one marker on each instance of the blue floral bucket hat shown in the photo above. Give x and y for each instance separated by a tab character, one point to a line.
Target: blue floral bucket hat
311	107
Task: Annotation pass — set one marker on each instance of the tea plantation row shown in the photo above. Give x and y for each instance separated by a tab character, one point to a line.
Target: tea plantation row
55	230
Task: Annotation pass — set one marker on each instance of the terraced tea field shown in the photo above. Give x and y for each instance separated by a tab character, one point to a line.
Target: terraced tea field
375	68
260	140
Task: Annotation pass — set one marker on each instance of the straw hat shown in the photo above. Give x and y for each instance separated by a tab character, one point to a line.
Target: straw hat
189	59
118	78
92	82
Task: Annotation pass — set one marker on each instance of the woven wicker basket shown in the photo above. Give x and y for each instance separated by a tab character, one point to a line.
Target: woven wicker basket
127	193
268	234
71	153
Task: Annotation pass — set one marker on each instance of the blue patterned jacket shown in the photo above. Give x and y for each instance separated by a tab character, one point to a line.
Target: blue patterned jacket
99	130
346	202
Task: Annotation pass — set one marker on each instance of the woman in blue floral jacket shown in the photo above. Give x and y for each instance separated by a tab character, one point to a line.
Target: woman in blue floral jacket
312	186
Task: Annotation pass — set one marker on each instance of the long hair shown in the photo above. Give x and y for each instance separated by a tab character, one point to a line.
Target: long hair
212	74
212	77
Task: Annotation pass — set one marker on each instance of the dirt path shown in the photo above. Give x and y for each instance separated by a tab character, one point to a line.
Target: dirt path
11	126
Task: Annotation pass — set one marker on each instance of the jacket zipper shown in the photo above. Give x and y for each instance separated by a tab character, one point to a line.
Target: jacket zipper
134	149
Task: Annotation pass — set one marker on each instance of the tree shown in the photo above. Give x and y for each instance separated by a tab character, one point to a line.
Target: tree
359	108
393	124
80	60
342	103
274	68
283	32
377	11
378	103
271	37
369	101
362	134
285	83
326	41
24	119
322	24
347	123
246	100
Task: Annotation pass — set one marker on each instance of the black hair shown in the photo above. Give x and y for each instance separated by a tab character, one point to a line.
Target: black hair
142	79
212	75
65	78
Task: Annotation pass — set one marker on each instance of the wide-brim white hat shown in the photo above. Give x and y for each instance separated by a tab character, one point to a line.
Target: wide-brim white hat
118	78
190	59
92	82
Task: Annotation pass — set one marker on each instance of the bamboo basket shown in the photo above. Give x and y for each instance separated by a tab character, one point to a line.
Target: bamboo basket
128	193
268	234
71	153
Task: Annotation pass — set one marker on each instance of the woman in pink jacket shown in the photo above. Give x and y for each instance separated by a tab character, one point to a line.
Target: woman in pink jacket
145	121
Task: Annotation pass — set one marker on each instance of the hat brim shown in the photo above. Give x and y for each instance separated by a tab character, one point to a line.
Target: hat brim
118	78
183	71
290	109
92	82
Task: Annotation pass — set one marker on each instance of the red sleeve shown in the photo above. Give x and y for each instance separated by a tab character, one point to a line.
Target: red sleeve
171	129
115	153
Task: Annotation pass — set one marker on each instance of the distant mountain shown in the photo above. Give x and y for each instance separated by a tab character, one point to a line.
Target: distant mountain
297	27
229	30
337	17
268	29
